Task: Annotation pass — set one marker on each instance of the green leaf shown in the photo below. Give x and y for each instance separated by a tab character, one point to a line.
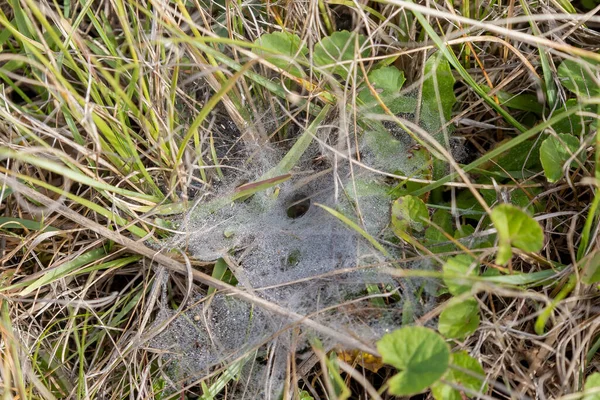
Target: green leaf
590	267
286	47
438	95
463	360
525	155
20	223
573	124
464	231
221	272
580	77
387	81
460	265
459	319
435	239
592	382
589	4
408	214
304	395
523	101
515	228
69	267
554	152
443	219
520	197
395	156
421	356
337	54
342	391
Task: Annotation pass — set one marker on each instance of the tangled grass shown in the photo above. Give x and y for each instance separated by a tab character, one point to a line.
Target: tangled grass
119	117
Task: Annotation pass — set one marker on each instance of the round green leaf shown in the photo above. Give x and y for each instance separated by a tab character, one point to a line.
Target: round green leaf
459	319
579	77
387	81
573	124
337	53
592	383
460	265
421	356
515	228
555	152
408	214
286	45
435	239
463	360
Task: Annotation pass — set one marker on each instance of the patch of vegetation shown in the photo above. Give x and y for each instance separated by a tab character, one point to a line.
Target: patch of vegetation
299	200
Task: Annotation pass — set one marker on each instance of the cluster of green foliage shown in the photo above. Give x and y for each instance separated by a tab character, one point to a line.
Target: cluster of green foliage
422	356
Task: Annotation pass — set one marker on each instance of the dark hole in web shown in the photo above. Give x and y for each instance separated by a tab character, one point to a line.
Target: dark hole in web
298	206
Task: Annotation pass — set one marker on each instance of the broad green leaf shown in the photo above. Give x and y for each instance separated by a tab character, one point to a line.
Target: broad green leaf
462	360
443	219
580	77
555	152
464	231
523	101
387	81
460	265
338	53
459	319
285	47
515	228
573	124
420	355
304	395
520	197
437	95
437	101
525	155
592	383
590	268
589	4
408	214
435	240
359	187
